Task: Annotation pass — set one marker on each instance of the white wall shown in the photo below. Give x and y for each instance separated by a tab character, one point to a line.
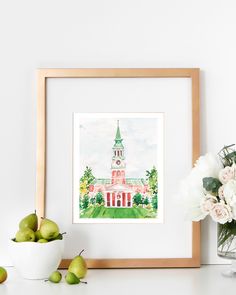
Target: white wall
107	33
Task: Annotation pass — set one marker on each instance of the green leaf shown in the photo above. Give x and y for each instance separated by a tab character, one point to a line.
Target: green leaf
211	184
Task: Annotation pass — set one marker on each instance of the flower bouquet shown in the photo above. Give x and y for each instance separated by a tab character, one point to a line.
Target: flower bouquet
210	189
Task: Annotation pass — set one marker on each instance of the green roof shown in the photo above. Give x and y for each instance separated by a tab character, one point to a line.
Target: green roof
103	181
129	181
136	181
118	145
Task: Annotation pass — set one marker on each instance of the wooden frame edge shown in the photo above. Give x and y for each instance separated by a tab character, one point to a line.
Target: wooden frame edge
192	73
137	263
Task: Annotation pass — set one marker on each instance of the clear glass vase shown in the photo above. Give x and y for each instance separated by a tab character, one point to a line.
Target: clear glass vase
226	245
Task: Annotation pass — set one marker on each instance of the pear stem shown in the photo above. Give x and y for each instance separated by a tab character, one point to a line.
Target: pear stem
46	280
83	282
81	252
63	233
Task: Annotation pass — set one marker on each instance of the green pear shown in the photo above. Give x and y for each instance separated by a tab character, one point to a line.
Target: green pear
25	235
38	235
42	241
59	237
78	266
55	277
72	279
30	221
3	275
49	229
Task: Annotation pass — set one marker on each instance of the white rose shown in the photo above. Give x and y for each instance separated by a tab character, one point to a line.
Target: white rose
221	213
207	203
189	196
227	174
191	189
208	165
229	192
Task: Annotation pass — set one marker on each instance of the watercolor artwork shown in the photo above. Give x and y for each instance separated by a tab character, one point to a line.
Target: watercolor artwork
118	168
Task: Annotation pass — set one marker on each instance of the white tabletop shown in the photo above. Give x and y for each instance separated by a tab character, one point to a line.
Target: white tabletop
206	280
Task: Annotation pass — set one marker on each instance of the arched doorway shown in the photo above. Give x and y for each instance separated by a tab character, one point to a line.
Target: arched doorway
118	204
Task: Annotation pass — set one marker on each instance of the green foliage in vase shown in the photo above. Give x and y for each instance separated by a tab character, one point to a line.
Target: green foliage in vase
228	155
211	184
226	233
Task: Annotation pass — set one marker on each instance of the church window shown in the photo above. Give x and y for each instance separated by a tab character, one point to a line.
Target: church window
123	199
129	196
113	199
108	200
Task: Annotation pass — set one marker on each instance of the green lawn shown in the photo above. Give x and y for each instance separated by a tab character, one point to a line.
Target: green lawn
103	212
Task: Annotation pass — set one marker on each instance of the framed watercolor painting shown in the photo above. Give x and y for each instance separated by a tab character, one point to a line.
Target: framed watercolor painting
112	147
126	183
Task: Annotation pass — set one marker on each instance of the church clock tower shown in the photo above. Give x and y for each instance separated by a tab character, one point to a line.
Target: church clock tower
118	159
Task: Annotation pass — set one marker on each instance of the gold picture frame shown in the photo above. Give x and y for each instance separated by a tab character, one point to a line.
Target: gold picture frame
43	76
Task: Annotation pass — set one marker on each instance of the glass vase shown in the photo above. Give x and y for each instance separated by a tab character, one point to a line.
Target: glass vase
226	245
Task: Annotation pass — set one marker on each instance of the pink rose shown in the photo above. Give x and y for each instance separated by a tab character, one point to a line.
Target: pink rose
227	174
207	203
221	213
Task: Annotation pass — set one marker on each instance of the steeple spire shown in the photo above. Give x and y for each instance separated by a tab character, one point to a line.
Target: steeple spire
118	139
118	136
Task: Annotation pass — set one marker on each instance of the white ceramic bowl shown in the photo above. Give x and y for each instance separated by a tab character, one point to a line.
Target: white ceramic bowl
36	260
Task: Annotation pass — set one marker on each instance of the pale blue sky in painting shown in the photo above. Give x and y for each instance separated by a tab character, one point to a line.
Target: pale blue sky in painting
96	139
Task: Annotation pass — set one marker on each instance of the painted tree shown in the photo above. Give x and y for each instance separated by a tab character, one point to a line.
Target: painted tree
93	200
154	202
146	201
152	178
86	180
99	198
137	199
84	202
